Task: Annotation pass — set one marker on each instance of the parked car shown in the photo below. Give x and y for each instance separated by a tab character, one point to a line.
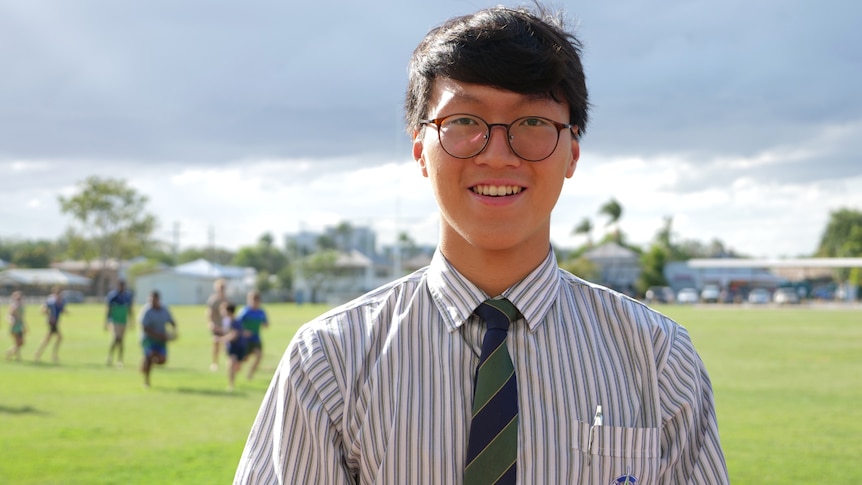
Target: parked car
710	294
659	294
758	296
784	296
687	295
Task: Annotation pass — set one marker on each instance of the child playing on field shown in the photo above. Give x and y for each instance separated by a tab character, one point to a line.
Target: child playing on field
253	318
154	319
17	326
53	308
236	339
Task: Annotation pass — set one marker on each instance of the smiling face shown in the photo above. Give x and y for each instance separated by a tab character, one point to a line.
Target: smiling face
495	202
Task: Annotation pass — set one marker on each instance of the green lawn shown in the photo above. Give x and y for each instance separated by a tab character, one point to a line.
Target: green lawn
788	386
82	422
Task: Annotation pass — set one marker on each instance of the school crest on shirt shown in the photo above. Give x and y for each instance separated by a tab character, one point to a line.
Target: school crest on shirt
625	479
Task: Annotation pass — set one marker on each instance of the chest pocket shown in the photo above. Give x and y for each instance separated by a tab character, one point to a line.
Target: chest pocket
616	453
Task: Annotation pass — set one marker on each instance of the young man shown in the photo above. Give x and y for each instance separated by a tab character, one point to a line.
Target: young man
54	306
154	319
593	387
252	318
119	303
214	318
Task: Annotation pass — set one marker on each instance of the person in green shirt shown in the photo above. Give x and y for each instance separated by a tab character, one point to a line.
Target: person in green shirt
119	303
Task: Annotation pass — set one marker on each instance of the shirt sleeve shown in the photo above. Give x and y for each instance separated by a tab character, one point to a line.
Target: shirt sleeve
297	435
691	450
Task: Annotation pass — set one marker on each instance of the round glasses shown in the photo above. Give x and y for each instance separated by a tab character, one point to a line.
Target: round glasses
532	138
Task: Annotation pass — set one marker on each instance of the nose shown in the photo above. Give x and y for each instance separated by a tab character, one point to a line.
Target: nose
498	152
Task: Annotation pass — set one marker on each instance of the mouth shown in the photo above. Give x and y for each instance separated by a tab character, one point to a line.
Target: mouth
496	190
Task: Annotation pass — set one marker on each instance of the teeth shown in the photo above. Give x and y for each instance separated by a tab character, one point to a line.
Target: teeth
496	190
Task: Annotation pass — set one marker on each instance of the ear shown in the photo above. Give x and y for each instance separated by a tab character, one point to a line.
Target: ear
419	151
576	154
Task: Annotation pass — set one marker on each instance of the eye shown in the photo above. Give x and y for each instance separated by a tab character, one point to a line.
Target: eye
460	121
533	121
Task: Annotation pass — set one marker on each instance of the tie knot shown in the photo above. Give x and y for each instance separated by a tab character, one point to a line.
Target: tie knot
497	313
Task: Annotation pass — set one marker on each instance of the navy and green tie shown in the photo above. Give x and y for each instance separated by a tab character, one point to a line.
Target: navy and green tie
492	449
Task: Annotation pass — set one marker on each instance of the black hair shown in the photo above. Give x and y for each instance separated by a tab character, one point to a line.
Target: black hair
518	50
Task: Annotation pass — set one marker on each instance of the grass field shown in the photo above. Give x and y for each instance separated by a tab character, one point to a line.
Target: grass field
788	386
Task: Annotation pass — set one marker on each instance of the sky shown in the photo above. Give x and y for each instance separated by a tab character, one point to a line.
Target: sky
741	120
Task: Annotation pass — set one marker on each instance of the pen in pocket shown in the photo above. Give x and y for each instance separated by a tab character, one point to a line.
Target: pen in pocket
598	419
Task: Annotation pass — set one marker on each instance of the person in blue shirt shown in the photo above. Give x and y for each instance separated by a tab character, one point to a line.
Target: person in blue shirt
54	306
154	319
119	303
236	340
253	318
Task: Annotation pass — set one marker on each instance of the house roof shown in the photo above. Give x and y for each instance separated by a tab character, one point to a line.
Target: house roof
79	265
41	277
353	259
610	251
419	261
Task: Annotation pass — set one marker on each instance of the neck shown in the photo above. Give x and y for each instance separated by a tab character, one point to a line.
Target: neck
493	271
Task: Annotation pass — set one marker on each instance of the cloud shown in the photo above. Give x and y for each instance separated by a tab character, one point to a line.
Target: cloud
742	120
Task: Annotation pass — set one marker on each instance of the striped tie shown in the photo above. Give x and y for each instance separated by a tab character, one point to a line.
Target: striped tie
493	446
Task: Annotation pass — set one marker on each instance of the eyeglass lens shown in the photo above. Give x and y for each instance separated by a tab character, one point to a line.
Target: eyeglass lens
531	138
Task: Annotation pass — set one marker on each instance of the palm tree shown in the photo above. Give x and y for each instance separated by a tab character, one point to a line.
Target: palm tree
664	235
343	234
614	211
585	228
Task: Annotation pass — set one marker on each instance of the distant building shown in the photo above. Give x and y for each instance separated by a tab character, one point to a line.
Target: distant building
192	283
103	275
682	274
39	282
360	267
743	273
619	267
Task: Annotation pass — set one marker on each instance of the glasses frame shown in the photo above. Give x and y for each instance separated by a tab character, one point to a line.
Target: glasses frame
438	122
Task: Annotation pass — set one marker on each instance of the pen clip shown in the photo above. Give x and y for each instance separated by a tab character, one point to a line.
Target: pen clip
598	419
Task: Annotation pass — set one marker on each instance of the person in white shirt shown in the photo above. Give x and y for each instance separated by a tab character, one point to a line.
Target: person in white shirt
380	390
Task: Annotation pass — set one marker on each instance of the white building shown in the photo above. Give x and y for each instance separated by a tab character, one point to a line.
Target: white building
619	267
192	283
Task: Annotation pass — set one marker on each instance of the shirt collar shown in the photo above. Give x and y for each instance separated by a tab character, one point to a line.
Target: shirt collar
456	297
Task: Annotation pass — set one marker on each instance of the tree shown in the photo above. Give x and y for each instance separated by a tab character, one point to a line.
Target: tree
110	221
343	236
317	269
842	238
582	268
664	236
267	259
653	263
325	242
614	211
28	254
585	228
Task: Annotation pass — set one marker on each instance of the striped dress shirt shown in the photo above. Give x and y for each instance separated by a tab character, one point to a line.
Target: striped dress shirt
379	390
